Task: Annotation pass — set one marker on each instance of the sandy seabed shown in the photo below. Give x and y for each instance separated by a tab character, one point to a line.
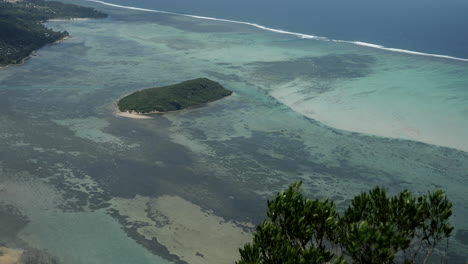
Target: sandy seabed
185	229
10	255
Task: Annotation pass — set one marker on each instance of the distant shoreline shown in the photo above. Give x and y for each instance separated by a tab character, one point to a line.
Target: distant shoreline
21	42
33	53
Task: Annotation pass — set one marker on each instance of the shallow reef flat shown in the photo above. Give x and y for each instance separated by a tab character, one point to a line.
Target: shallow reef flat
196	236
123	190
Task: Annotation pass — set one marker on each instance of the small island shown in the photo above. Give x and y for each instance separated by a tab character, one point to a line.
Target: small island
173	97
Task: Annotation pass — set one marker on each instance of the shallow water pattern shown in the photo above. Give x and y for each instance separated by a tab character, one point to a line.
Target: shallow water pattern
66	159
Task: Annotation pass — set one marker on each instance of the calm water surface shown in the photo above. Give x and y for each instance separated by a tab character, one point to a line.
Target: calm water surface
90	187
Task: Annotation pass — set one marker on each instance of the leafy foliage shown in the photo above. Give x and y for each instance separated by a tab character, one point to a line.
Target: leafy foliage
173	97
22	32
376	228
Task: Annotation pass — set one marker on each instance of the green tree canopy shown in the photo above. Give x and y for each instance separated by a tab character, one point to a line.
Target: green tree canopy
22	31
375	228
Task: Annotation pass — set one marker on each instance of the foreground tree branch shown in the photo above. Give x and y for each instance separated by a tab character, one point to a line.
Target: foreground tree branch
375	228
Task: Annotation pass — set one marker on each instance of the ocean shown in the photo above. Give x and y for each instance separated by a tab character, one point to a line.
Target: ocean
428	26
342	116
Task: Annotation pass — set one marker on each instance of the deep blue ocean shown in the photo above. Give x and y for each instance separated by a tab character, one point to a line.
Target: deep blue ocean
431	26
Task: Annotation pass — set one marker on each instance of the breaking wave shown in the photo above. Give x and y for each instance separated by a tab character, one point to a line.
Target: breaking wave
300	35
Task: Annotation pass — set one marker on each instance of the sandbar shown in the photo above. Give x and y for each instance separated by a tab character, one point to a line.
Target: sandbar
132	115
10	255
185	229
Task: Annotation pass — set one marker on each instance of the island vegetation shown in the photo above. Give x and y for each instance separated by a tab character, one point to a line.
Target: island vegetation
375	228
173	97
22	30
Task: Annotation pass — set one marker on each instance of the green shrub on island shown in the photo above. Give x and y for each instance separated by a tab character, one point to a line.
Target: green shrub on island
173	97
376	228
22	31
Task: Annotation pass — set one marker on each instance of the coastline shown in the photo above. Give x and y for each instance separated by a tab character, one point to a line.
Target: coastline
33	53
23	60
60	40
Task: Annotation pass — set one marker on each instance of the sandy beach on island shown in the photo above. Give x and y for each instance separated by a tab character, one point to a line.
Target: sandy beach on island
132	115
10	256
68	19
148	115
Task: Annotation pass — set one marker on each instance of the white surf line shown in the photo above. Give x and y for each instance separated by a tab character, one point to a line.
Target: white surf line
300	35
375	46
215	19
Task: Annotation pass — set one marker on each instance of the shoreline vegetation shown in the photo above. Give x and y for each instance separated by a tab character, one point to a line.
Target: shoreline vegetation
22	31
33	53
171	98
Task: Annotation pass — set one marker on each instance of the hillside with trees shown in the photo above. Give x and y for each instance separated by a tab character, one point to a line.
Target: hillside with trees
22	30
375	228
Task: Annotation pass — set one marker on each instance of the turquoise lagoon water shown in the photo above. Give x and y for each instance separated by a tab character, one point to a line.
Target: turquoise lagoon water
64	154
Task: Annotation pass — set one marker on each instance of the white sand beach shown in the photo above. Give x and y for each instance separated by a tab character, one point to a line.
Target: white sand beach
132	115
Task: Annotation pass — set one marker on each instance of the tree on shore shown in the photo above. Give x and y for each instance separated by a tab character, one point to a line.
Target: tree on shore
375	228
